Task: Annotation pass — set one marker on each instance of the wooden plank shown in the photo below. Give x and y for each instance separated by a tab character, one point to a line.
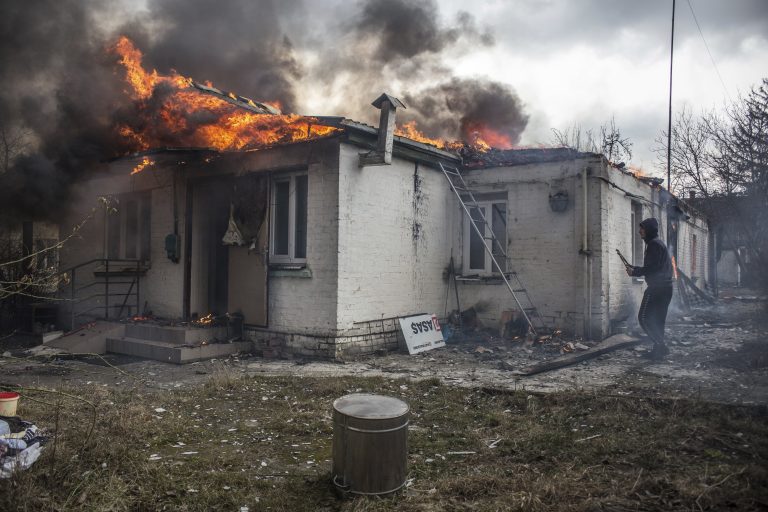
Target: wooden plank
698	291
615	342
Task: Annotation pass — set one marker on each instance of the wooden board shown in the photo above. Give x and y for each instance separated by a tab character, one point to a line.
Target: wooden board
615	342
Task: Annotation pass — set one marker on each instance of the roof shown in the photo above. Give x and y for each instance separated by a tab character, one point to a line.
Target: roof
238	101
479	159
361	129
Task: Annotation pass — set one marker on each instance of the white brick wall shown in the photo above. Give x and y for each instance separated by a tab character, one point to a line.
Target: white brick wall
622	295
394	239
308	305
698	227
381	237
543	245
161	288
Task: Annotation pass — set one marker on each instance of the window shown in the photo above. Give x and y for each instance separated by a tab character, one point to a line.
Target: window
289	219
637	242
129	227
476	258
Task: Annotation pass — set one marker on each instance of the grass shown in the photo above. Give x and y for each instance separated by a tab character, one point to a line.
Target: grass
265	443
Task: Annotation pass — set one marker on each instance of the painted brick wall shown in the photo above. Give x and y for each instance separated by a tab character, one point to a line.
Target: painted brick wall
620	294
162	285
301	305
542	245
695	226
394	239
377	245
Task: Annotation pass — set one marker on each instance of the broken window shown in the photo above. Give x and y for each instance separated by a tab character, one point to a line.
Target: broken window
476	258
637	241
129	227
289	219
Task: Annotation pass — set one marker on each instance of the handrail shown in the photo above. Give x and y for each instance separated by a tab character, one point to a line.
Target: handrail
85	263
74	289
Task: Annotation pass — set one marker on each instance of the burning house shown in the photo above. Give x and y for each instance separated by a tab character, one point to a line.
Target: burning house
318	233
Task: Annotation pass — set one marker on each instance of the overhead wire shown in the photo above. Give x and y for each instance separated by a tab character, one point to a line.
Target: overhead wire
711	58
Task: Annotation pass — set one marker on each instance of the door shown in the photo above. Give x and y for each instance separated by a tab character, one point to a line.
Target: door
248	263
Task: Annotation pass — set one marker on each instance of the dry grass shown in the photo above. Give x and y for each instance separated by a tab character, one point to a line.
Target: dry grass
265	443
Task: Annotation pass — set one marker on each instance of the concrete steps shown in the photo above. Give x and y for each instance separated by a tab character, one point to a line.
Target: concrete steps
179	345
177	335
172	353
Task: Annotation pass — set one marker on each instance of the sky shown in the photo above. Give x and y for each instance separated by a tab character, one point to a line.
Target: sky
523	67
585	61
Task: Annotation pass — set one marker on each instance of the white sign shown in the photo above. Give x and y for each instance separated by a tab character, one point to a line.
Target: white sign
422	333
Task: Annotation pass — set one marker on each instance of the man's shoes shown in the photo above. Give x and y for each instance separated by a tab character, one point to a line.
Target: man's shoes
657	353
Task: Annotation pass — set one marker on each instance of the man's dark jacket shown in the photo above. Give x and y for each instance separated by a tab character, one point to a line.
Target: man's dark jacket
657	265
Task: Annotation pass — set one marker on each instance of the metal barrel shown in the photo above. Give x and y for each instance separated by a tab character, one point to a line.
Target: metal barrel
370	443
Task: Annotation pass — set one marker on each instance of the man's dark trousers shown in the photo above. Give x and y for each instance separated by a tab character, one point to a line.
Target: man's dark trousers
653	312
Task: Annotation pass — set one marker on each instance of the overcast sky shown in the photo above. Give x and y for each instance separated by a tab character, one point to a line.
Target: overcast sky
525	66
583	61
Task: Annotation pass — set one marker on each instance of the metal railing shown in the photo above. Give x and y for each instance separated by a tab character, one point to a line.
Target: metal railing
116	277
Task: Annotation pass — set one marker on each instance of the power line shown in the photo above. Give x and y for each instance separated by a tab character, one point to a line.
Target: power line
709	52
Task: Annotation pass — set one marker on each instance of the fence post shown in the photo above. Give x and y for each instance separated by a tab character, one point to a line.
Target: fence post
106	292
72	300
138	295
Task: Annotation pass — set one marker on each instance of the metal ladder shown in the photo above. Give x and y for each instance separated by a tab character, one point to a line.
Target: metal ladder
518	291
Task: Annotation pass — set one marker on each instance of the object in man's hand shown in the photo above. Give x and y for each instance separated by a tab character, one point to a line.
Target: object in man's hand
623	259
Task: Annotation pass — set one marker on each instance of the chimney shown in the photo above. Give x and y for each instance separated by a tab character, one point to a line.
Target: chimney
691	194
382	155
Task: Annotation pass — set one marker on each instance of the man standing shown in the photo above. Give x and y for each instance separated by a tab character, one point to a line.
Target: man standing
657	270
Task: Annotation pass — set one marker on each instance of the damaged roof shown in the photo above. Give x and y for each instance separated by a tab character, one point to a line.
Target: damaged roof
238	101
474	158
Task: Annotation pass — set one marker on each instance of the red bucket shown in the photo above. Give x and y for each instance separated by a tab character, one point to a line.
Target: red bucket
8	402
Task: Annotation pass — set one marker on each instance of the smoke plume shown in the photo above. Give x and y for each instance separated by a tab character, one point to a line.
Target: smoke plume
462	107
401	47
60	89
63	92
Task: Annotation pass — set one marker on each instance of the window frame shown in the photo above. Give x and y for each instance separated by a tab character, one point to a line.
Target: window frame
143	202
488	267
290	258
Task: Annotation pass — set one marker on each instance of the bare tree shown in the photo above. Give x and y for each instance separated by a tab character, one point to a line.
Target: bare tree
575	137
610	142
614	146
692	156
725	159
35	275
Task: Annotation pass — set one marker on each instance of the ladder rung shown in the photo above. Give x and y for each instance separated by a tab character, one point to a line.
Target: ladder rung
469	202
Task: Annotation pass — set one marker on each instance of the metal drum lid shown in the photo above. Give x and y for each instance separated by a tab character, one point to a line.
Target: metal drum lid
370	406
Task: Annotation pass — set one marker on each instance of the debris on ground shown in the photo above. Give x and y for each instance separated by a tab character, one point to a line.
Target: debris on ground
20	445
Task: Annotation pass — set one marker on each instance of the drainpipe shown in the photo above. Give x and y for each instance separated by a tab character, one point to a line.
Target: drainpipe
585	251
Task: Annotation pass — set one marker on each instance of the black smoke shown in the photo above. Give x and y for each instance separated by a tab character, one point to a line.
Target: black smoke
402	47
62	89
404	29
238	45
462	106
57	93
